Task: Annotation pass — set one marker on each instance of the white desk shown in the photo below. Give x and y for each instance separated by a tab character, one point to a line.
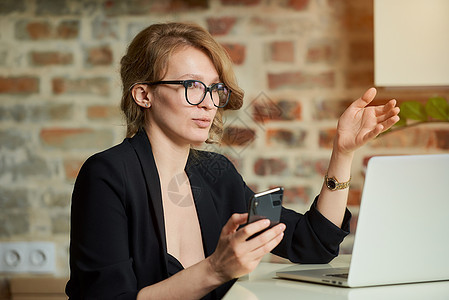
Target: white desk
262	284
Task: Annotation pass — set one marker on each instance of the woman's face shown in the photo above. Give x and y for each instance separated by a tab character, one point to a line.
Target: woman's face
170	115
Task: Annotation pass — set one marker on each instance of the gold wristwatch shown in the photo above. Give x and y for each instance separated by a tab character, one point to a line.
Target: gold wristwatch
333	184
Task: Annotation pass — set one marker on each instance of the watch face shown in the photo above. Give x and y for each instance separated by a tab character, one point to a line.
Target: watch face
331	184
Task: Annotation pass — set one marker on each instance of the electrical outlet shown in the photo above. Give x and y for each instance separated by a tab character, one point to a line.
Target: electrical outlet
27	257
41	257
13	257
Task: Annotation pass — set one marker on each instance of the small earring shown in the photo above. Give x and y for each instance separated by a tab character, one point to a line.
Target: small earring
146	104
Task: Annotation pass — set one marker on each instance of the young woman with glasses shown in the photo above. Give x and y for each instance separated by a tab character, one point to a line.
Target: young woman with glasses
154	219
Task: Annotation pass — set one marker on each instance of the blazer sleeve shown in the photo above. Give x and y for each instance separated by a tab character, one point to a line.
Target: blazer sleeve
311	238
101	267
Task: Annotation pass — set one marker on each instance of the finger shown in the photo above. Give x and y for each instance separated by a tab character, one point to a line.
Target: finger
388	114
234	222
266	236
259	252
373	133
366	99
384	126
388	123
382	109
244	233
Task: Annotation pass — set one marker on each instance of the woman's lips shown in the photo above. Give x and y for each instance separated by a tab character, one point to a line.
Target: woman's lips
202	122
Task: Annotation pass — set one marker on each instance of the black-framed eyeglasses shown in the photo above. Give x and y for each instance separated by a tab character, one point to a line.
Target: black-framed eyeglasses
196	91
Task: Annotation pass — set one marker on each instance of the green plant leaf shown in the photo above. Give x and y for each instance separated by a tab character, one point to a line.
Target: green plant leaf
401	122
438	108
413	110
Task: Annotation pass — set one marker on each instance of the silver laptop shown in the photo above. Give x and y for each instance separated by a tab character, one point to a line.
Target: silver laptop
402	231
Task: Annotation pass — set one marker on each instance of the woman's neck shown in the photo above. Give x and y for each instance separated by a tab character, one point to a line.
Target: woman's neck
170	157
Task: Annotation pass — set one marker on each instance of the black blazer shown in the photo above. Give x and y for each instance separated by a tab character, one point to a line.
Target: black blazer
118	244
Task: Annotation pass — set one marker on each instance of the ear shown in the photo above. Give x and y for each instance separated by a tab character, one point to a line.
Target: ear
142	95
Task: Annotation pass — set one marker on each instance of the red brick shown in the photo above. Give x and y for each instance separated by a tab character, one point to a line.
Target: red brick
236	136
320	53
261	25
221	26
72	168
361	51
236	52
99	56
297	195
326	138
286	137
98	112
329	109
282	51
19	85
301	80
263	109
47	58
416	137
38	30
270	166
442	138
280	110
76	138
58	135
354	197
68	29
298	4
43	30
358	16
362	78
96	85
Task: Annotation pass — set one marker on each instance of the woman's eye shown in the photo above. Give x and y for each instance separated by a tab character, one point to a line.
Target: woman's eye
192	84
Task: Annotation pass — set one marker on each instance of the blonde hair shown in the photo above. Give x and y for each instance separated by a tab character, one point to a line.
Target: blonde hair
147	58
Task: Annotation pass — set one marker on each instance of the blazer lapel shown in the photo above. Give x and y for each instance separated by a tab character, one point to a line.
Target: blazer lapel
142	147
207	212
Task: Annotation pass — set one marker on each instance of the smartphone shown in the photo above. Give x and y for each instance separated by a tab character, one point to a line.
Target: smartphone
266	205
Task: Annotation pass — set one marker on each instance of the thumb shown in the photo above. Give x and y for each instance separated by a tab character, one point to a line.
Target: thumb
366	99
234	222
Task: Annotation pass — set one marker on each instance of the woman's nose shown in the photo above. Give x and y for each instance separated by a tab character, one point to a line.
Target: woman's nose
207	102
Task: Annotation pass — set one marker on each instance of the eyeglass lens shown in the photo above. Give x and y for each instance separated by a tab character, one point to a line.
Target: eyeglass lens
196	91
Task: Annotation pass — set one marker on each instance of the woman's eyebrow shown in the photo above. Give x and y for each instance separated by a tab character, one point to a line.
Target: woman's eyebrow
198	77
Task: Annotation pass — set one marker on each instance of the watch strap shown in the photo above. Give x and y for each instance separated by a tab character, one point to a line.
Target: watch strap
333	184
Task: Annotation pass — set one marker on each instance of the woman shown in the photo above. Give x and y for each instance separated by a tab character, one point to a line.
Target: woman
154	219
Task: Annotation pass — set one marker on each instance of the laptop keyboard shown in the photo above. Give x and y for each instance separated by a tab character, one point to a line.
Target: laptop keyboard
342	275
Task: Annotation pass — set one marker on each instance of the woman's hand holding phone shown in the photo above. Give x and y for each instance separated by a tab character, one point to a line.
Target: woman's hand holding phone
235	255
239	251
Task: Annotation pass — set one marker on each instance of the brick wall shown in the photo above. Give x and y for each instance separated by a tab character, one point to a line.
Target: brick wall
300	62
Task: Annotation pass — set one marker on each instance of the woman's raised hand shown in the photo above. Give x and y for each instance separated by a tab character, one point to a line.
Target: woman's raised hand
361	123
235	255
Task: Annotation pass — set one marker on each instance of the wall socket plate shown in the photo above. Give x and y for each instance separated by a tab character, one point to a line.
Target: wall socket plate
27	257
